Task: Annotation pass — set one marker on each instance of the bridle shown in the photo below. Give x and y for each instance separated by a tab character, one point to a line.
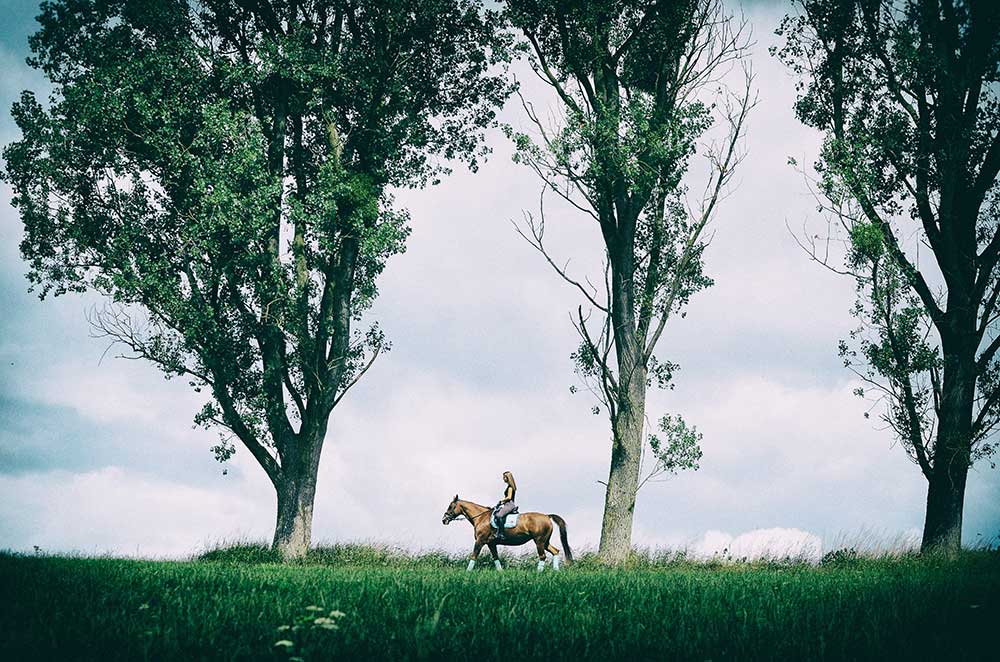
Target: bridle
462	515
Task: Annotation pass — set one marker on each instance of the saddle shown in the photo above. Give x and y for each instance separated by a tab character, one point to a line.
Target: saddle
510	520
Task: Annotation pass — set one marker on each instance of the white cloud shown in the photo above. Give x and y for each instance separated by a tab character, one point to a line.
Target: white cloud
116	392
120	511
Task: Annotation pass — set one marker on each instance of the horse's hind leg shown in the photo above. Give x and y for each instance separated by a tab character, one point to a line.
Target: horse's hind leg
541	545
554	551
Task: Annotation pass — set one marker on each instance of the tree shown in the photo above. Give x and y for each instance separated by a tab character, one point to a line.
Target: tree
906	94
221	171
638	85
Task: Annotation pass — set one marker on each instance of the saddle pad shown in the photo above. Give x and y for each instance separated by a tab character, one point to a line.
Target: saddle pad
509	522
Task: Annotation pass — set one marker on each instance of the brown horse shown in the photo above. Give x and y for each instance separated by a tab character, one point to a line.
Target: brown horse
530	526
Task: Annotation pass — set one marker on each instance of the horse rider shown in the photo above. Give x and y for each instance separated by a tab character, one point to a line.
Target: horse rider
506	505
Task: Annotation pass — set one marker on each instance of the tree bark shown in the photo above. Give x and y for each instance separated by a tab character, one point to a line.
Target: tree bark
296	491
952	448
293	529
623	478
630	399
945	505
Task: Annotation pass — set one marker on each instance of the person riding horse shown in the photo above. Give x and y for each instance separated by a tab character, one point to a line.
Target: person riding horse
506	505
530	527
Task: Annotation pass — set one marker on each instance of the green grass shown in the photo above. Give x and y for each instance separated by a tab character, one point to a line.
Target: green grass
399	606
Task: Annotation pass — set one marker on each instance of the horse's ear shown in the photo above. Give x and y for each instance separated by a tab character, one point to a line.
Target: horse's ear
455	499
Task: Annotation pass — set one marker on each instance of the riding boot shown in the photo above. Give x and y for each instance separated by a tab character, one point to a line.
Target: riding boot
499	535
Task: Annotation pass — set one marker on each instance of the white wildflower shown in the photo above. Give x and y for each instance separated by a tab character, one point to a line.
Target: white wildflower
325	623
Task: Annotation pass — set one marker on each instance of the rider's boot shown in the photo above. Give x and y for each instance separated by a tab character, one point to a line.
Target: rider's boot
499	534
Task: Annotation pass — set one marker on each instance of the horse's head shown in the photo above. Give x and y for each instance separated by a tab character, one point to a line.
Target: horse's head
453	512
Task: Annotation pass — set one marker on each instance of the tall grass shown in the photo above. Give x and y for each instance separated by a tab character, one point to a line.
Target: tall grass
353	602
374	555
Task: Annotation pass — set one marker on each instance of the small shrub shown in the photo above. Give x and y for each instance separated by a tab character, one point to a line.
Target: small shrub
846	556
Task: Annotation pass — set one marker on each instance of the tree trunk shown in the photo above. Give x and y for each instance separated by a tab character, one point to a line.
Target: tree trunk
293	529
946	483
623	479
296	489
943	521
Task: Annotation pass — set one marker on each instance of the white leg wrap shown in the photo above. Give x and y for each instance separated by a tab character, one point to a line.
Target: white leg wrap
496	563
541	566
472	564
555	562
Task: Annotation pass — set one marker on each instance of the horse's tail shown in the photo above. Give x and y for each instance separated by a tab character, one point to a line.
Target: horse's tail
562	536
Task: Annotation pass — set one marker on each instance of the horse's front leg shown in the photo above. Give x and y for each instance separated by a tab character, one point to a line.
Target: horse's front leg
475	555
496	556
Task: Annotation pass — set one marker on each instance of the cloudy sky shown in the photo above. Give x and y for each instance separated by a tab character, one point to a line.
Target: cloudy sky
100	455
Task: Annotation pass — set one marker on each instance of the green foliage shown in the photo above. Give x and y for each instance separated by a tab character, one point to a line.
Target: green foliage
111	609
635	101
892	352
867	244
676	448
221	172
636	135
661	373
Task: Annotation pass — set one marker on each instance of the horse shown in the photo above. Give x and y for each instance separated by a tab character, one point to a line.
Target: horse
530	526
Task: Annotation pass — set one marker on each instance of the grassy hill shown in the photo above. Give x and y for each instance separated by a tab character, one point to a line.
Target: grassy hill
363	603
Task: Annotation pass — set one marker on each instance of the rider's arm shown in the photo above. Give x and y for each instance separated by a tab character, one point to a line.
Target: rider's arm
508	494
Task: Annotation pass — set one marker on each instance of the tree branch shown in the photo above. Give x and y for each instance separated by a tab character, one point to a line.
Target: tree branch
535	240
723	173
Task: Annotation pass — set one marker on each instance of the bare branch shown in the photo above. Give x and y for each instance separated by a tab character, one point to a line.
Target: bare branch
537	231
808	246
359	375
118	325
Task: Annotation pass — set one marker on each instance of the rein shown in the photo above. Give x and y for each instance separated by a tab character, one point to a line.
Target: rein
473	519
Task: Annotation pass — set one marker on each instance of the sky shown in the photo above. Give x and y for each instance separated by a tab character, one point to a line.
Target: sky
99	454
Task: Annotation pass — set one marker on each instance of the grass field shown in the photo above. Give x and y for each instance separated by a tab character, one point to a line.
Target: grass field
357	603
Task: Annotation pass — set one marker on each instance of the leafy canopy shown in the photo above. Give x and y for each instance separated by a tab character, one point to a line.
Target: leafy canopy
907	95
225	168
637	83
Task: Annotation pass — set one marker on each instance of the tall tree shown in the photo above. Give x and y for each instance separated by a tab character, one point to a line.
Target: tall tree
221	171
907	95
637	87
